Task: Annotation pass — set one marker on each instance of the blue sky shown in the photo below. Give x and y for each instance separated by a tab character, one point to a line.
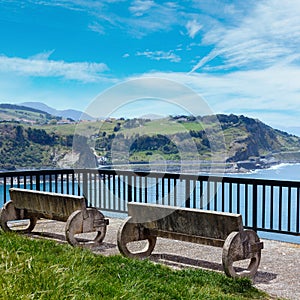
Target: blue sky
242	57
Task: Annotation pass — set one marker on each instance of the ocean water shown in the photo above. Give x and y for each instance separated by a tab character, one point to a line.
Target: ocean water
289	172
278	172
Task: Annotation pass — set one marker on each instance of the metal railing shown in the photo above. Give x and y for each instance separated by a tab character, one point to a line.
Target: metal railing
266	205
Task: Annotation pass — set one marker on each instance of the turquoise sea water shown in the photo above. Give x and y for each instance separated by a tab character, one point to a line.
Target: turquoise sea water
277	172
289	172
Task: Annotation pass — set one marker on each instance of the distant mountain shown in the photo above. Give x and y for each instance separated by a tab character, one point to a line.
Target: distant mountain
67	113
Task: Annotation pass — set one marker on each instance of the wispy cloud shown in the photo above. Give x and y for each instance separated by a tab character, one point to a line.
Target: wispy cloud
139	7
270	94
248	52
250	42
149	17
42	56
144	17
79	5
96	27
193	27
40	66
138	18
160	55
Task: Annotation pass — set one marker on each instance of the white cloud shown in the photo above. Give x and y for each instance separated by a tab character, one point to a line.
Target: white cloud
145	16
173	98
78	5
160	17
42	56
193	27
96	27
270	94
270	32
40	66
160	55
262	38
139	7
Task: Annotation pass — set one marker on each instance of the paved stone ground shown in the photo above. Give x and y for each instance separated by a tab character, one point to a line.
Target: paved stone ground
278	274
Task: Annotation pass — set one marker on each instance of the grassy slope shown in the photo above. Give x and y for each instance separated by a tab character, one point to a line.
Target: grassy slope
84	128
8	114
237	138
43	269
162	126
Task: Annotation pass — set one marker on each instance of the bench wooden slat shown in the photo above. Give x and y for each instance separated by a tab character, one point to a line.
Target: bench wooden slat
187	238
193	222
49	205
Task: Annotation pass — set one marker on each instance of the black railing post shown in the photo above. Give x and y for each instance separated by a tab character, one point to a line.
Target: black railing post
129	191
85	184
4	189
187	194
254	207
37	182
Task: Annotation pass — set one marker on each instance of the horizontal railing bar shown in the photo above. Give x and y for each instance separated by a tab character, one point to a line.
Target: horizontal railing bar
275	231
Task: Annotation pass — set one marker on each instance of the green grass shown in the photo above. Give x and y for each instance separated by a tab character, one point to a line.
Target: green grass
70	129
161	126
7	114
83	128
43	269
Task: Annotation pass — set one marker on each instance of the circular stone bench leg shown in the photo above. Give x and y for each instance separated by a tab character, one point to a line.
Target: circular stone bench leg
76	224
130	232
233	250
10	213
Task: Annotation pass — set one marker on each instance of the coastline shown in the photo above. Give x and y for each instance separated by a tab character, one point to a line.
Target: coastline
192	167
203	167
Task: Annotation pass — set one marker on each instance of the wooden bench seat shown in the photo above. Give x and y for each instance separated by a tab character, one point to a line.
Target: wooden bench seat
218	229
32	205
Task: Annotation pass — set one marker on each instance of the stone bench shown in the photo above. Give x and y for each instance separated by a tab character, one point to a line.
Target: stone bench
149	221
32	205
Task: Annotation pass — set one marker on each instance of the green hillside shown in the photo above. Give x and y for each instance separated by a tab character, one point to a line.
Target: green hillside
25	115
22	147
229	137
46	142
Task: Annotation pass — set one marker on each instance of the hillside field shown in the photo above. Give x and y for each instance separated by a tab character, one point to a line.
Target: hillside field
227	139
